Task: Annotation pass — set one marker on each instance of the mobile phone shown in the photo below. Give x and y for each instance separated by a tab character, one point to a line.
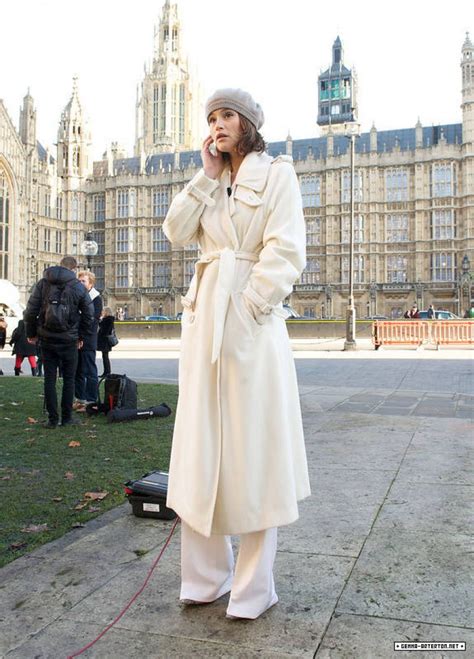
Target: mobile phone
213	149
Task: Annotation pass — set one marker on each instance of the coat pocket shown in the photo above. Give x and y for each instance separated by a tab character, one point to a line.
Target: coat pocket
245	315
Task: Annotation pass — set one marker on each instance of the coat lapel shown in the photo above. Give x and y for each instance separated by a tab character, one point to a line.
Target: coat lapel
253	171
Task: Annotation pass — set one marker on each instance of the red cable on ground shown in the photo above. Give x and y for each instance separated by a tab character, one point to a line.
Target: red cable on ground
139	592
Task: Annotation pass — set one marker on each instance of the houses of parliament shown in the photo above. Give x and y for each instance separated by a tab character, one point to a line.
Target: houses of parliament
413	197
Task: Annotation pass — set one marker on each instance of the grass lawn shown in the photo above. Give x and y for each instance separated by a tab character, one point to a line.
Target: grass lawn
54	480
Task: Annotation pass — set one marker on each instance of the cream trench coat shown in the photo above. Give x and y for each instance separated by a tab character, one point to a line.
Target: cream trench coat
238	461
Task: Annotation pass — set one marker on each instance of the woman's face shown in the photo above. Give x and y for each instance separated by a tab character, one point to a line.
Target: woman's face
225	129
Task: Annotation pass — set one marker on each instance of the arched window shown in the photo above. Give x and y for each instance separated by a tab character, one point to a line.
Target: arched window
4	223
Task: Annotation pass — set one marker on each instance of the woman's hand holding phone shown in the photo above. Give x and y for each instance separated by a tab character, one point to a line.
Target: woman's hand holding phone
212	160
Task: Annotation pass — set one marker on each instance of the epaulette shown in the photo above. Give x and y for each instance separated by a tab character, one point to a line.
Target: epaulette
282	158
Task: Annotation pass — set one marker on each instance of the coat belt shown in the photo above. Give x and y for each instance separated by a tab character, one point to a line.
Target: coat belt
225	280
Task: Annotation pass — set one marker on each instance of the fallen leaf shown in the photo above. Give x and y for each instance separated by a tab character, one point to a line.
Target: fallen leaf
73	444
78	525
5	478
7	418
69	475
12	402
35	528
30	419
82	505
57	499
135	450
93	509
95	496
107	459
17	545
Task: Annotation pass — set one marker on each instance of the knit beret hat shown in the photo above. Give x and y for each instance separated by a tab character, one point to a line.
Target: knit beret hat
238	100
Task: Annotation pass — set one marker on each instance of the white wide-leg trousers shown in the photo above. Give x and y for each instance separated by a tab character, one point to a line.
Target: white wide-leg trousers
207	570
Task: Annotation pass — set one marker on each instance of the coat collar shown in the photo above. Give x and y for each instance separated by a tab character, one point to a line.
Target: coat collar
253	172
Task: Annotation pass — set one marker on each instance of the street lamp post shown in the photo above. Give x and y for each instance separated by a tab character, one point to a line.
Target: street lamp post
464	284
352	131
89	248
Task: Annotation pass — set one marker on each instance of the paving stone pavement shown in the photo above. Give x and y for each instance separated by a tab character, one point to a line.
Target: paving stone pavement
381	552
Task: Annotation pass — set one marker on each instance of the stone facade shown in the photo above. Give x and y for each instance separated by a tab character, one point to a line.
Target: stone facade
414	207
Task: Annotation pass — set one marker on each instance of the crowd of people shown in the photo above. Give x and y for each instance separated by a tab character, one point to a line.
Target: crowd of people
63	326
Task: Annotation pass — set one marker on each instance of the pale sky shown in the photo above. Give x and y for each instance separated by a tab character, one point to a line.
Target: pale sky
406	54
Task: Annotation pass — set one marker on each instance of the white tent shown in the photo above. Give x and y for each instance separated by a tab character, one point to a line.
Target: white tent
10	304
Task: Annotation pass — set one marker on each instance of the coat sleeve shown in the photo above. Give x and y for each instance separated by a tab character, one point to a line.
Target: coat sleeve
86	308
98	305
182	221
33	308
283	256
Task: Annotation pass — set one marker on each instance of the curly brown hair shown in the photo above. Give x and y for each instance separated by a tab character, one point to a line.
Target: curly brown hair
250	140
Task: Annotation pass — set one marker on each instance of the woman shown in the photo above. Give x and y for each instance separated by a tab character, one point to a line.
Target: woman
3	334
106	327
22	348
238	463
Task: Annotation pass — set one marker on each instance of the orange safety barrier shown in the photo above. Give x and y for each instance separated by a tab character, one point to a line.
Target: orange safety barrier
418	332
453	332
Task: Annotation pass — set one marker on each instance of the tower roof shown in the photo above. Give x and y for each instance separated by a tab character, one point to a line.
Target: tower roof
73	109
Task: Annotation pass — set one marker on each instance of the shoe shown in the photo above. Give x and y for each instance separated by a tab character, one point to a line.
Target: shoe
71	422
17	371
50	424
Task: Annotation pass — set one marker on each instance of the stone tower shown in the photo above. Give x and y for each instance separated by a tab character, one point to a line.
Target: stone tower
28	122
467	104
337	93
74	140
168	101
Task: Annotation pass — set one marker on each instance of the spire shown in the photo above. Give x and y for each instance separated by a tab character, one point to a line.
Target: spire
467	91
28	121
73	109
337	54
73	137
337	92
167	108
167	35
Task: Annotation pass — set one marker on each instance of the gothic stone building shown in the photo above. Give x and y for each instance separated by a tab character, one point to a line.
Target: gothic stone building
413	194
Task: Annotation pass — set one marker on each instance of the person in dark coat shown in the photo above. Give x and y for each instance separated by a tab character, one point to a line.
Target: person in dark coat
106	327
3	334
22	348
87	380
59	346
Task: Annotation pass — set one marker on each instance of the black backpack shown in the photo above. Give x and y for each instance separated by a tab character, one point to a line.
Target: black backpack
57	316
119	393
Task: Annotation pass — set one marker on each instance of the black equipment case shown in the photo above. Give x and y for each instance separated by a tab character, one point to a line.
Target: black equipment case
148	496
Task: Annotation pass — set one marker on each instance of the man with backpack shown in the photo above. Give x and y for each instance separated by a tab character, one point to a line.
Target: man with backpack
60	314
